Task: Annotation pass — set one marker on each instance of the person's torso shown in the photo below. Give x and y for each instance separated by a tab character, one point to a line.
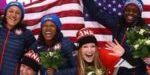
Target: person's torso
11	50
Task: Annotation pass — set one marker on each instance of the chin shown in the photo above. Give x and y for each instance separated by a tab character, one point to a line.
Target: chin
89	60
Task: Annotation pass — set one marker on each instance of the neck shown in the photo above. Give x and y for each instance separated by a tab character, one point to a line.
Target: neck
9	27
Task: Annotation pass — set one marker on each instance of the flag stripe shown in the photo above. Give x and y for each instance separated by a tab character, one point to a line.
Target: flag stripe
147	20
146	7
57	4
35	2
56	9
60	14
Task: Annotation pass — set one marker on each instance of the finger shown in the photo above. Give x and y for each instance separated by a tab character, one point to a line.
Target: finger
116	42
113	54
110	44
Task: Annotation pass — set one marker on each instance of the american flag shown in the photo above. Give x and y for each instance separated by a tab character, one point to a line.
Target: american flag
72	15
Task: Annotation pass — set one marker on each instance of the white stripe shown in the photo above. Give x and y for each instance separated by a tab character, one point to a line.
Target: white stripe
64	20
99	37
146	2
93	24
72	20
104	37
56	9
146	14
45	2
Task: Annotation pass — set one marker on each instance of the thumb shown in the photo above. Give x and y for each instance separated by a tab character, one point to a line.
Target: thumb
113	54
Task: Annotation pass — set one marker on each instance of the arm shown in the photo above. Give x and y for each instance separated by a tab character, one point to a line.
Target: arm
29	39
102	17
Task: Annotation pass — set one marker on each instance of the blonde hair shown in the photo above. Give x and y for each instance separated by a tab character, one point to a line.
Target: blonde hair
99	69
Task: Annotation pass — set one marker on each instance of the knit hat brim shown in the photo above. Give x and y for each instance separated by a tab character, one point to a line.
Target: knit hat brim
85	40
31	63
51	17
138	3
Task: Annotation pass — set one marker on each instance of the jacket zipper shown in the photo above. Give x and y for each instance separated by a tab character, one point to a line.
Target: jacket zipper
3	48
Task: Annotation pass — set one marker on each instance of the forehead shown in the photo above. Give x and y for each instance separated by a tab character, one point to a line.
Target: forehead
132	6
14	8
48	22
89	44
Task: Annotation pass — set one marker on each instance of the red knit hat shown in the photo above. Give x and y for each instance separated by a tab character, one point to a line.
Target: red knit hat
85	35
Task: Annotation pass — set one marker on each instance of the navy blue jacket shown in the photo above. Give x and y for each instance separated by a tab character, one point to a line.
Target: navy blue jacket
13	45
111	22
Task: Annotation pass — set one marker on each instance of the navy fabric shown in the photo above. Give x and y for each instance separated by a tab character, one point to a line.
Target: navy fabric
16	46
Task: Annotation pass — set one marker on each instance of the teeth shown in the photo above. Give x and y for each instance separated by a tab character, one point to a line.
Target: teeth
47	32
130	17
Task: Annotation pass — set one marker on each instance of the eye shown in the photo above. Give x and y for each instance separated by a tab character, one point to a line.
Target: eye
93	46
17	12
84	46
10	11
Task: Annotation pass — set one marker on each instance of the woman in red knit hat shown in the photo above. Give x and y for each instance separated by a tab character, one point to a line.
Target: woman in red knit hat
88	62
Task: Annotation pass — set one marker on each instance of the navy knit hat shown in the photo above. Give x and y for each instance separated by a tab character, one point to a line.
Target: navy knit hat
19	5
51	17
138	3
84	36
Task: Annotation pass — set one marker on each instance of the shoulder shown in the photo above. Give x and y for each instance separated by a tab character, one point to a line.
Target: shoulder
67	44
66	41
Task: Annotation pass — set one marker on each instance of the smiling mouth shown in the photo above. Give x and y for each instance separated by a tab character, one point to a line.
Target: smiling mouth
89	56
130	17
47	33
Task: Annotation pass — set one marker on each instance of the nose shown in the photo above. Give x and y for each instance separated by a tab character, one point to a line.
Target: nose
14	14
89	49
131	12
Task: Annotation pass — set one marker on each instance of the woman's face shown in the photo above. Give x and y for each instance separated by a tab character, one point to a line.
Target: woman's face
88	52
48	30
13	16
131	13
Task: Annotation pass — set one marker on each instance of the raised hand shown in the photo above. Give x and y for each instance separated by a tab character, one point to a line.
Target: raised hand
115	47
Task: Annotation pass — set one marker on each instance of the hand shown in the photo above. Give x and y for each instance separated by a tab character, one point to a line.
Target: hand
50	71
115	47
25	70
147	60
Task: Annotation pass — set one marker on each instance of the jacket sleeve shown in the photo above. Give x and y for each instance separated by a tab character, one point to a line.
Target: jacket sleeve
68	52
29	39
102	17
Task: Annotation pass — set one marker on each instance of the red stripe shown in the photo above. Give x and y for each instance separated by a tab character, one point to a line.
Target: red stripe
35	31
101	31
60	14
147	20
146	8
72	26
31	3
50	5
